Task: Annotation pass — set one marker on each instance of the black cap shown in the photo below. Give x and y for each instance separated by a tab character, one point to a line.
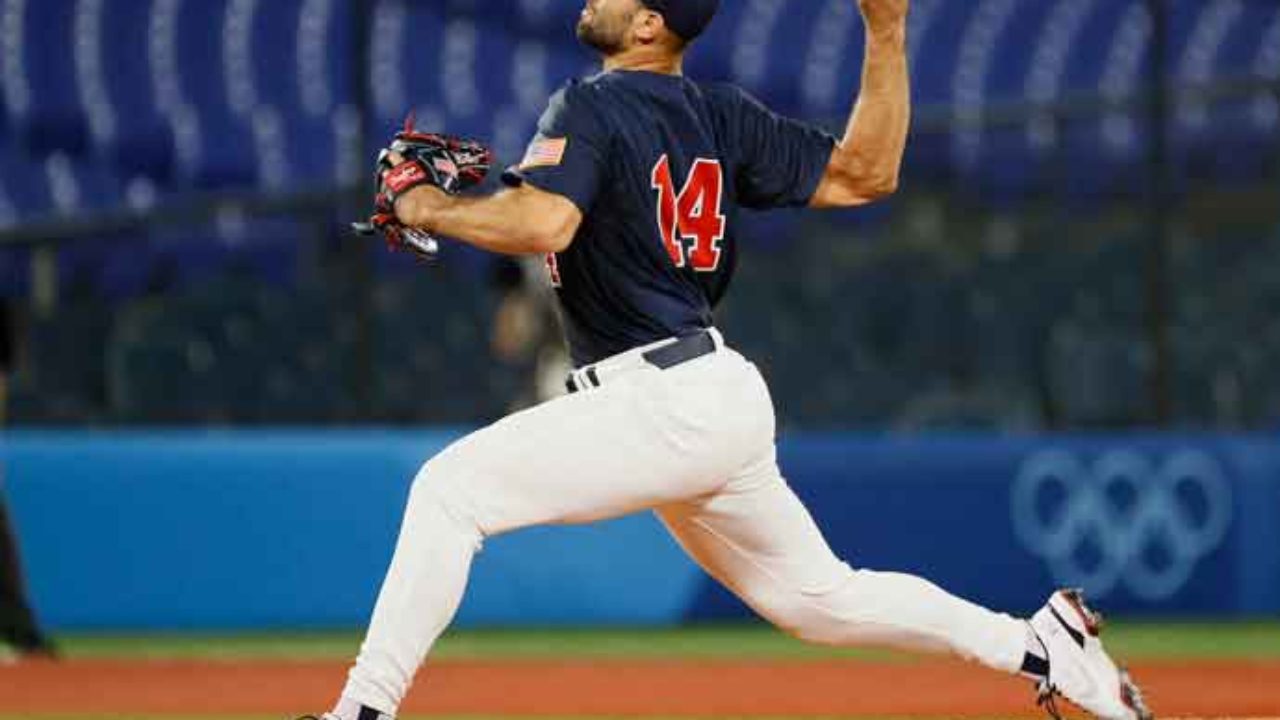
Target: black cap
686	18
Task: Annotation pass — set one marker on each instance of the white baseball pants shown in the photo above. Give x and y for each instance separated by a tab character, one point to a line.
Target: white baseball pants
695	443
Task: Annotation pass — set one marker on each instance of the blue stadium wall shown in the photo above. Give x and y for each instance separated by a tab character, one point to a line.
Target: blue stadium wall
294	529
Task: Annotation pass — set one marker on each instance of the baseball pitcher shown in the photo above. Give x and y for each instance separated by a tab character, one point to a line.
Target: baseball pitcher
631	189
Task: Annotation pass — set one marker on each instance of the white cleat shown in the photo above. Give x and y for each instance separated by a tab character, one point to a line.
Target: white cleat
1079	669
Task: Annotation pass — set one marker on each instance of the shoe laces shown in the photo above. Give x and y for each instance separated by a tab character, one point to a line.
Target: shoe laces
1047	698
1132	696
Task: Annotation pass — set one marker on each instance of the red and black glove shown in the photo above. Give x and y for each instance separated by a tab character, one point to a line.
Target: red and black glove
443	161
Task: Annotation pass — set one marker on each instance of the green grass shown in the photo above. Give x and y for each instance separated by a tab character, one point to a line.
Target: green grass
406	718
1130	640
63	716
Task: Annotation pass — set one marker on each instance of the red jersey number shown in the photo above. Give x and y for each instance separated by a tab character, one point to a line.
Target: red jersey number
694	215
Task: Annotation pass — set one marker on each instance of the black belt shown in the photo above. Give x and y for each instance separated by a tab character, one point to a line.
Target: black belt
689	347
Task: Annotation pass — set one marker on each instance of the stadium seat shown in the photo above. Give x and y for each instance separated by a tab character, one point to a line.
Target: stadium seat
826	80
1220	141
216	147
84	185
710	59
549	19
24	186
935	53
210	88
1196	62
327	49
46	108
130	130
266	57
1000	163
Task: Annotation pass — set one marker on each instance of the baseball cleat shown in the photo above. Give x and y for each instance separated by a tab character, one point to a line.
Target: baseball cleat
1079	669
33	648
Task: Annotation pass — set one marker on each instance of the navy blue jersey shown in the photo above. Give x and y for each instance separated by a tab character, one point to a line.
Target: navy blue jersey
659	166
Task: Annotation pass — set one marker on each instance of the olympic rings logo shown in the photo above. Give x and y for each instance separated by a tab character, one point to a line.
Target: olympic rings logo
1146	524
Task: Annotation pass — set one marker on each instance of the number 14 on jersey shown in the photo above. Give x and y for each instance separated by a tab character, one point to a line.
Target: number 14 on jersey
694	215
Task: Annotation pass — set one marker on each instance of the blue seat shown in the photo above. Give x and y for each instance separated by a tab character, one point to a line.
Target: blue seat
1004	164
52	117
1104	153
335	46
1218	141
1092	46
97	187
935	50
422	49
826	86
297	62
273	69
477	92
548	19
783	65
1201	33
711	58
25	186
140	139
389	78
1018	42
201	73
222	143
314	118
319	151
226	155
1243	38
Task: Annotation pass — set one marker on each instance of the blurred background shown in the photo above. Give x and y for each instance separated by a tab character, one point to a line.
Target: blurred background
1068	320
1075	245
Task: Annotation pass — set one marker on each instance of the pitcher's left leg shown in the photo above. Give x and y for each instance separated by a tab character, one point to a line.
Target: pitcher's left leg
756	538
645	439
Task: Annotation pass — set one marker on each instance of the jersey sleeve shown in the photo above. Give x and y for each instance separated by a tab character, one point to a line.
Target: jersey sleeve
568	155
780	160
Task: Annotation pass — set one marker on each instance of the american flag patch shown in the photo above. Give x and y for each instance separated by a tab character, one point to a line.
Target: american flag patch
544	152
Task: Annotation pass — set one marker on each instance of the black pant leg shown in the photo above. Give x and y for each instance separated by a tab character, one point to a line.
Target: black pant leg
17	622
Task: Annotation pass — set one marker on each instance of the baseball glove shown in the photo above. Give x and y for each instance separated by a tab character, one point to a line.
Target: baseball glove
446	162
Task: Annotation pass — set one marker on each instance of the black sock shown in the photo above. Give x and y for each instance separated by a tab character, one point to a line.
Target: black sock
17	624
1035	662
1035	666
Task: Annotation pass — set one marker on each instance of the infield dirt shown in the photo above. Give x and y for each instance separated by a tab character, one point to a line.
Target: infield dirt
844	688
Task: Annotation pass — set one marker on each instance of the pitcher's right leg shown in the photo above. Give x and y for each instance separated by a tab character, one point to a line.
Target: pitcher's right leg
757	539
